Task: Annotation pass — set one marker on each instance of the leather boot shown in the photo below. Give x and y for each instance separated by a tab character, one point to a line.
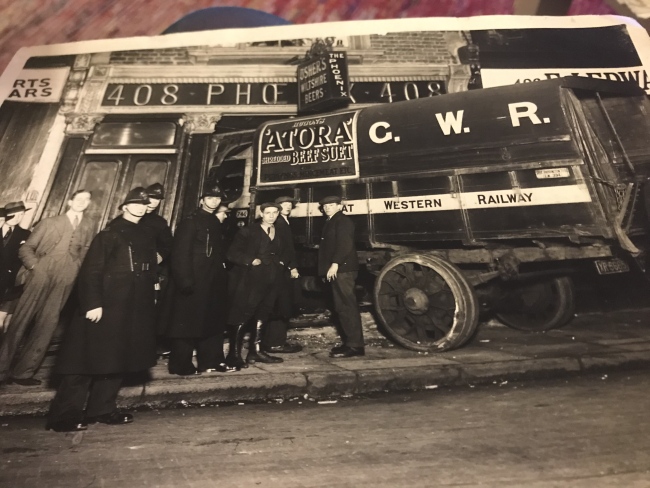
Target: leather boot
255	353
236	343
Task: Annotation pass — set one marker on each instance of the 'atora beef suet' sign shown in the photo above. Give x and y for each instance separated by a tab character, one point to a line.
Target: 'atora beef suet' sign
323	83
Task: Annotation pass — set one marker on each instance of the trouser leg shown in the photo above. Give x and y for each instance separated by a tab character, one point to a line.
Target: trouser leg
209	352
275	330
103	395
27	305
347	308
180	357
236	335
68	403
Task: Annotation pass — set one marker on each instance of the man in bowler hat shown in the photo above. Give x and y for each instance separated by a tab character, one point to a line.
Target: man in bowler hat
275	335
12	236
115	332
51	256
338	263
198	291
256	252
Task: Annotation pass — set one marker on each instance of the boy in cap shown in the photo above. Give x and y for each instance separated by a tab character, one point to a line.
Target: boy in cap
338	262
199	291
12	236
51	257
115	333
275	335
256	252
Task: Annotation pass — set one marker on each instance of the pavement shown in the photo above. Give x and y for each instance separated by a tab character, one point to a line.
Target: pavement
591	343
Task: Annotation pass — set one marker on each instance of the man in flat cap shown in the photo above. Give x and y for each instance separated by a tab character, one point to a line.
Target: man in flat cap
338	263
256	252
115	332
275	334
197	318
51	256
12	236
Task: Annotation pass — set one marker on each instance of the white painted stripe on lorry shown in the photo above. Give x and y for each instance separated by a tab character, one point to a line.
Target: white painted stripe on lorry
526	197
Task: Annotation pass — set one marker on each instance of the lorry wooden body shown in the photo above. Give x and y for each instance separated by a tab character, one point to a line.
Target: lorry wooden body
481	199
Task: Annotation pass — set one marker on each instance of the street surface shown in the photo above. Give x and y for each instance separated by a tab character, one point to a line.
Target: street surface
591	431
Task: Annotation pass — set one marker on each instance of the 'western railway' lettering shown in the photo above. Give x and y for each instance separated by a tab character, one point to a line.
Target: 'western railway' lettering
507	198
406	204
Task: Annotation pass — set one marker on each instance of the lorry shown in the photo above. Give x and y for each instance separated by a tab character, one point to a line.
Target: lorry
485	201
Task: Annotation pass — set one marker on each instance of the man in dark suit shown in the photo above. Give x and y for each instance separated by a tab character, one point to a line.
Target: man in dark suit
275	335
115	333
12	236
256	252
198	291
338	263
51	257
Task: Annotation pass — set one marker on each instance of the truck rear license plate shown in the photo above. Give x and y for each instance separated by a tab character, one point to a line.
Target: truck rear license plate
611	266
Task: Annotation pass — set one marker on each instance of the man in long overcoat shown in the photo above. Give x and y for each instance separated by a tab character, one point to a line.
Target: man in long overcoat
51	257
115	333
198	291
338	263
275	335
12	236
256	252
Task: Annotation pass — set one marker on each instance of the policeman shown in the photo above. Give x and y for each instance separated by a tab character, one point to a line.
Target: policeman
115	333
338	263
199	291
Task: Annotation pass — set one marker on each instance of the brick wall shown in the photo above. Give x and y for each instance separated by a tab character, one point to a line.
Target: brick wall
171	56
412	47
403	47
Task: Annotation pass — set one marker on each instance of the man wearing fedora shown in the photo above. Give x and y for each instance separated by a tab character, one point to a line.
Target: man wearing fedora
256	253
275	335
114	333
338	263
12	236
51	257
199	291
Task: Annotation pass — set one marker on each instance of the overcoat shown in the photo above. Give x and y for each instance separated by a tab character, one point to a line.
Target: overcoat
197	262
162	232
10	262
118	275
337	245
248	283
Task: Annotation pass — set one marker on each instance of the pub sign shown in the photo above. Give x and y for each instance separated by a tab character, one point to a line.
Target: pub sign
323	82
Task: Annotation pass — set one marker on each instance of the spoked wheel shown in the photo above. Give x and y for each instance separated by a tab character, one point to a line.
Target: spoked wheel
540	306
424	303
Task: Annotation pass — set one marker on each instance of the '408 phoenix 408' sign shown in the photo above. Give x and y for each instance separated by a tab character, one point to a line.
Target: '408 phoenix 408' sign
310	149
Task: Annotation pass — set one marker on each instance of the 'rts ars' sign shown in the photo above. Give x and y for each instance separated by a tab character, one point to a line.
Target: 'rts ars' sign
39	85
323	83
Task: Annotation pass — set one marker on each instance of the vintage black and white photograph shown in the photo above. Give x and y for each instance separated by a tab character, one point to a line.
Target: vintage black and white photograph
409	252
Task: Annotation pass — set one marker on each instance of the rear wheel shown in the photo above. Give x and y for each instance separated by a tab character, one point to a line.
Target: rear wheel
539	306
424	303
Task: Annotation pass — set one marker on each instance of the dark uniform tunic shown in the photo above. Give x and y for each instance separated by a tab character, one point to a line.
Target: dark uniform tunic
162	233
199	279
118	275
